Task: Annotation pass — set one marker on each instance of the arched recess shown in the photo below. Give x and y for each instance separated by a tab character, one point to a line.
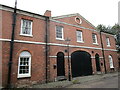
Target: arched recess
81	63
60	64
97	60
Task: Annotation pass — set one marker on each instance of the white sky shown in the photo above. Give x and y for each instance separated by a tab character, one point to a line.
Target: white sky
96	11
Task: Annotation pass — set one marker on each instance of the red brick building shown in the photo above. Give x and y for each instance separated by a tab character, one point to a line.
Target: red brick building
41	50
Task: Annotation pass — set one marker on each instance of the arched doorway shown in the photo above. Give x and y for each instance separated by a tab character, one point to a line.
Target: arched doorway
97	60
60	64
81	63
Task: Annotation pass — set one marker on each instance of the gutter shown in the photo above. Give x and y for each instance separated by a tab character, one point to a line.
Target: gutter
11	47
103	51
46	48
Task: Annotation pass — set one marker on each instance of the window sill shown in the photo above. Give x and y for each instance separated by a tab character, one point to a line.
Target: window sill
23	76
59	39
25	35
80	41
111	67
108	46
95	43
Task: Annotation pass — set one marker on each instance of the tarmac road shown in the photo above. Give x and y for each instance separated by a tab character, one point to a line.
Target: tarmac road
109	82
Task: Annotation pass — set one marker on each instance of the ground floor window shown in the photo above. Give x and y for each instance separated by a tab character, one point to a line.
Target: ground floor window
111	62
24	64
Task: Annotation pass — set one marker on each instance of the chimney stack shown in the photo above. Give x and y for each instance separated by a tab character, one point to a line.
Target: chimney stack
47	13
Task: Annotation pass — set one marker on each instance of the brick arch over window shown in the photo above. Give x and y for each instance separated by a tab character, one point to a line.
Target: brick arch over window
24	64
24	49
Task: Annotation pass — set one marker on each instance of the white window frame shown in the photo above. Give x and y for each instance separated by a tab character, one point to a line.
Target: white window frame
21	31
81	35
111	61
108	41
96	41
62	33
24	56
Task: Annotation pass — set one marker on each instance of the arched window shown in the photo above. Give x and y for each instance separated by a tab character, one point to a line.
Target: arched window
24	64
111	61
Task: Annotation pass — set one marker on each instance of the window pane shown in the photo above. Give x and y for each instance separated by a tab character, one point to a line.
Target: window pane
24	65
94	37
59	32
79	35
111	61
26	27
20	72
21	61
108	41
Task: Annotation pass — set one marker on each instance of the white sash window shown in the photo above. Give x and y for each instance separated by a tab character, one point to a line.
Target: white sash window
111	61
24	64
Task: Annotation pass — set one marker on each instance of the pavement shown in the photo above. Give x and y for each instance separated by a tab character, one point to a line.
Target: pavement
77	80
108	82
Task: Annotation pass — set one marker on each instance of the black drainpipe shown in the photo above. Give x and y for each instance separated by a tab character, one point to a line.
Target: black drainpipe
46	48
11	47
103	51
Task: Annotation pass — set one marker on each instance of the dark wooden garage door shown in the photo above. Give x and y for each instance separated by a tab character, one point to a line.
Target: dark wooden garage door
81	63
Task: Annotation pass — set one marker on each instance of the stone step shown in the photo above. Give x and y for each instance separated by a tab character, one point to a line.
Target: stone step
99	73
61	78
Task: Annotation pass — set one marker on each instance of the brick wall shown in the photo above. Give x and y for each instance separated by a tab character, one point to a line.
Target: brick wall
36	46
37	50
